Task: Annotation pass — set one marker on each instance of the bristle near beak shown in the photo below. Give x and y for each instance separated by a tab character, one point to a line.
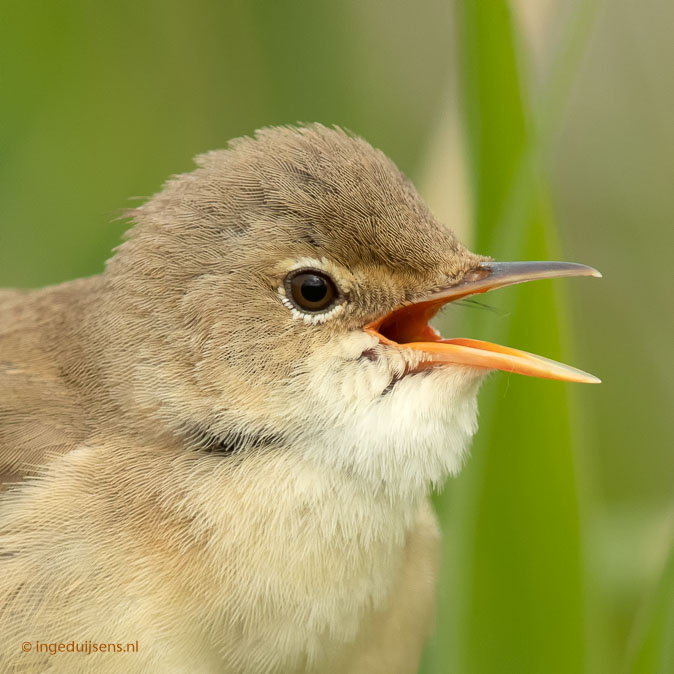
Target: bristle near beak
407	326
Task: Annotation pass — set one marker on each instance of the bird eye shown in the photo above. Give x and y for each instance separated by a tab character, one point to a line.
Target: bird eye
311	290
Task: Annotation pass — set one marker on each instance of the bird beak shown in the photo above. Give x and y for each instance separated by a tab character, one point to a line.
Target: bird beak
407	326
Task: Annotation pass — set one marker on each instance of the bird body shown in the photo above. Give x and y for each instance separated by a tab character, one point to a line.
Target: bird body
260	559
217	449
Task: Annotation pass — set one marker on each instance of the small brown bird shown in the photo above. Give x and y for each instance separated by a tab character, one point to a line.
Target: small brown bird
219	451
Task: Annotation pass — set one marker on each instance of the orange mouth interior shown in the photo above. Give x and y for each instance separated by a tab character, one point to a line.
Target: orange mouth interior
407	324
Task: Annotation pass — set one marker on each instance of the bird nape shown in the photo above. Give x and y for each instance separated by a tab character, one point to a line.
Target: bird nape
221	448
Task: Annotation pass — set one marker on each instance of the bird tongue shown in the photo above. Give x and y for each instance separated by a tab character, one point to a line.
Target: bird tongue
407	326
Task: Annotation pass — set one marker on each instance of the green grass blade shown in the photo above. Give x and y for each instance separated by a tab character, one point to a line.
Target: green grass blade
512	585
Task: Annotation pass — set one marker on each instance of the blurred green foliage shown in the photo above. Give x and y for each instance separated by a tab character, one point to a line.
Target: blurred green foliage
557	531
651	649
512	524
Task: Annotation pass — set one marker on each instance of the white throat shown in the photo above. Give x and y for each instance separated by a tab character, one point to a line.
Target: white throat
404	437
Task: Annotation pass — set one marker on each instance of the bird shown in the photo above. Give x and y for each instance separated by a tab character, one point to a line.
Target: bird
217	454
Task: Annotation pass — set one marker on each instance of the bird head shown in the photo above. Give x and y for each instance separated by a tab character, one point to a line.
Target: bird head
279	296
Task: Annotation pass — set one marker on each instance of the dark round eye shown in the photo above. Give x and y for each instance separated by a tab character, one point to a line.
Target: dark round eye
312	290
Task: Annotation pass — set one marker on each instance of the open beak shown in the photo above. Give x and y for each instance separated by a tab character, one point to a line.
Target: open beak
407	326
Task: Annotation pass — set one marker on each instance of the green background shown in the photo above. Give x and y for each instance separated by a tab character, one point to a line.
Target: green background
537	130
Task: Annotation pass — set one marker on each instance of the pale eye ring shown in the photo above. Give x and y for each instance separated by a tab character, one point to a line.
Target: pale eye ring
311	290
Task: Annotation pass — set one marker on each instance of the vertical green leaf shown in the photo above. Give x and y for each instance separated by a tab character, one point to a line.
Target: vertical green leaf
493	109
511	595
